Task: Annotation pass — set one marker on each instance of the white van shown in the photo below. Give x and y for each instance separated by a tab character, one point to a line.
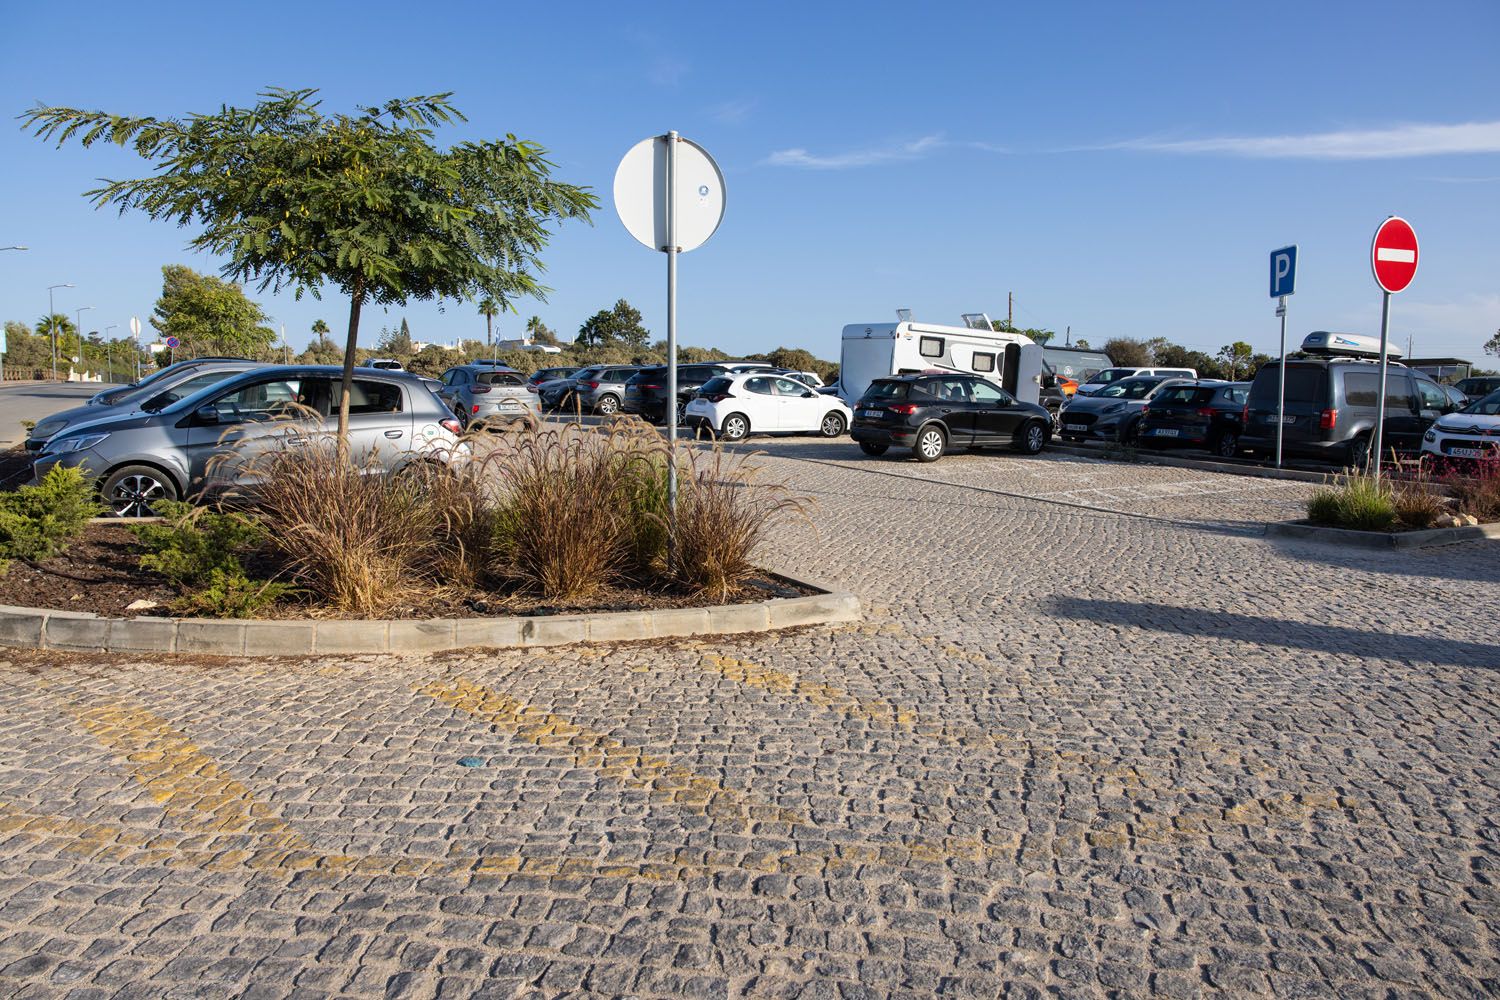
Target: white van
876	350
1098	381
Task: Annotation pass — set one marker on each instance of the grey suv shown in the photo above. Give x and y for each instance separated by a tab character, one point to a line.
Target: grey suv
596	389
1330	409
480	393
151	395
205	444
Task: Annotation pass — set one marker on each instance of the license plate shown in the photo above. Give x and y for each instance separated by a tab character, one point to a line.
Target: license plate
1075	427
1165	432
869	414
1467	452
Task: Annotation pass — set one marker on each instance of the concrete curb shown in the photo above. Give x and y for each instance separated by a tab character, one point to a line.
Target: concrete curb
1381	539
40	628
1146	457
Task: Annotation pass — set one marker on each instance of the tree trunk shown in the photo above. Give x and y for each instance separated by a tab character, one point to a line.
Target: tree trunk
356	299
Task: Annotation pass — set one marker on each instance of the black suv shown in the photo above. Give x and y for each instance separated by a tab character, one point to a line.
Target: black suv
1330	409
931	413
1204	415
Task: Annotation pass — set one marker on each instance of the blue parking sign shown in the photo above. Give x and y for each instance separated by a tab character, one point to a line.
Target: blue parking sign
1283	271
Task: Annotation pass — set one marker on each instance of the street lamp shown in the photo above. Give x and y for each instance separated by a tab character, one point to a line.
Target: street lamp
52	325
109	351
78	329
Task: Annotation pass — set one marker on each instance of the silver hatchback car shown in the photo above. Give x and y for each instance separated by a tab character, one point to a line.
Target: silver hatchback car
486	393
205	445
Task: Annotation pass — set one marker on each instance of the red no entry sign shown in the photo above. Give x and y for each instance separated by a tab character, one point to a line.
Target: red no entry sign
1393	254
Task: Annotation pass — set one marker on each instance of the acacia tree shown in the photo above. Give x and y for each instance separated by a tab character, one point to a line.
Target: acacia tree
209	316
364	202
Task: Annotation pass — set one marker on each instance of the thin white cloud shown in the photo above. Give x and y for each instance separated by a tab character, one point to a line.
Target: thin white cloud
1367	144
902	151
733	112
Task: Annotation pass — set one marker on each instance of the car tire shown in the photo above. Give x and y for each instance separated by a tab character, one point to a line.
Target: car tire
1227	444
607	405
129	490
1032	439
832	426
1130	434
736	427
1357	454
873	449
930	444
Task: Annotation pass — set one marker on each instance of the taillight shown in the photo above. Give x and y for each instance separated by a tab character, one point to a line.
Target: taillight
452	425
715	397
480	387
904	409
1145	409
1204	411
1328	419
475	408
531	388
652	386
1245	414
592	385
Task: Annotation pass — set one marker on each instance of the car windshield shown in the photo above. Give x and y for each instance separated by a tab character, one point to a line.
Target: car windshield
886	390
1079	366
1135	388
1112	375
1489	406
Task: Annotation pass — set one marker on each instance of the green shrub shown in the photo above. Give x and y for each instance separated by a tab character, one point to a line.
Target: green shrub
231	594
1357	502
192	543
39	521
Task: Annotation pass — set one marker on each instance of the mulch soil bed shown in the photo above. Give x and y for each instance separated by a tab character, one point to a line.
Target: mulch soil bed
99	573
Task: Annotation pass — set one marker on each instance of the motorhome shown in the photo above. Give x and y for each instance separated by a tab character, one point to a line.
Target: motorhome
875	350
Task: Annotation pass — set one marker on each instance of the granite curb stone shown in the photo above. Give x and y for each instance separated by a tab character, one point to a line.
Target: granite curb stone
1382	539
41	628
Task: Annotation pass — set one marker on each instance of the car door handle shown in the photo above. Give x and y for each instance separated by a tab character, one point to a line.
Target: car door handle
393	434
947	410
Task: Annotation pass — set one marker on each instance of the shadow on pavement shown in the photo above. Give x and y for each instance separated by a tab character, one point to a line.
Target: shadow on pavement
1478	561
1338	639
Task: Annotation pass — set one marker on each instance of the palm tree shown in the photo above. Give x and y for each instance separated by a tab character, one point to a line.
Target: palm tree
488	309
319	327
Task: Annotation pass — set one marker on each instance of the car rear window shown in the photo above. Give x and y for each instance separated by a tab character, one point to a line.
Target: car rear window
498	378
887	390
1303	385
1489	406
1185	394
717	384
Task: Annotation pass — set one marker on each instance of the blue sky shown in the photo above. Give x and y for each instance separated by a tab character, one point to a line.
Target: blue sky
1124	169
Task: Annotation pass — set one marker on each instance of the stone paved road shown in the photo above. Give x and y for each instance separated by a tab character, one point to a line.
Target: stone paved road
1095	737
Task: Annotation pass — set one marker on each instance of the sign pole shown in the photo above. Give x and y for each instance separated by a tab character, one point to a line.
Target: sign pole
1281	382
671	248
1373	463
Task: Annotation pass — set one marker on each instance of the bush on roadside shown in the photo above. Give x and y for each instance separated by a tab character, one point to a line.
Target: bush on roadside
229	593
721	517
1476	490
39	521
1418	501
199	551
1357	502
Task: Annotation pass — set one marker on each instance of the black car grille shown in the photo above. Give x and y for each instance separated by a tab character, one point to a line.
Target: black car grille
1086	419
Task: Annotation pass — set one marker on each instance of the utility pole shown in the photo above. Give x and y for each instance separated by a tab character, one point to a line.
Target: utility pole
1010	310
1070	337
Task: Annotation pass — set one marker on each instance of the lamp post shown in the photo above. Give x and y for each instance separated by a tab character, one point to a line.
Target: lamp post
52	324
109	351
78	329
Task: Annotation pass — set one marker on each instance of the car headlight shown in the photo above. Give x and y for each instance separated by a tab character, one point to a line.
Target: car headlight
81	443
47	428
1430	436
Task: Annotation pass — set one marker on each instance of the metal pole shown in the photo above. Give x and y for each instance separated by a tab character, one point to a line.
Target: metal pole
1385	323
1280	382
671	249
52	329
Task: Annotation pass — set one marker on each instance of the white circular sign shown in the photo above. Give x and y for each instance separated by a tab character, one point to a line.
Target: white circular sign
641	196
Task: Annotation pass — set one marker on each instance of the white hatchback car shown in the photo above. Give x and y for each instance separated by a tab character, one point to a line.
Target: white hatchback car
1471	434
733	406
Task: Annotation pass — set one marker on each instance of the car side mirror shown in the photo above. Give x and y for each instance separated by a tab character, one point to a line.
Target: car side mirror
809	394
206	416
1049	381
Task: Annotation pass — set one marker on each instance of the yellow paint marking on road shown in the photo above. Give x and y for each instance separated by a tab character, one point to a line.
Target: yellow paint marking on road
632	766
188	784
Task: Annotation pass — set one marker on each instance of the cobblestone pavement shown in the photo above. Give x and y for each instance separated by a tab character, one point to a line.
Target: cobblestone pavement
1095	737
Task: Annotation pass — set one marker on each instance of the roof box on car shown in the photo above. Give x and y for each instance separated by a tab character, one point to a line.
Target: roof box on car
1350	345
